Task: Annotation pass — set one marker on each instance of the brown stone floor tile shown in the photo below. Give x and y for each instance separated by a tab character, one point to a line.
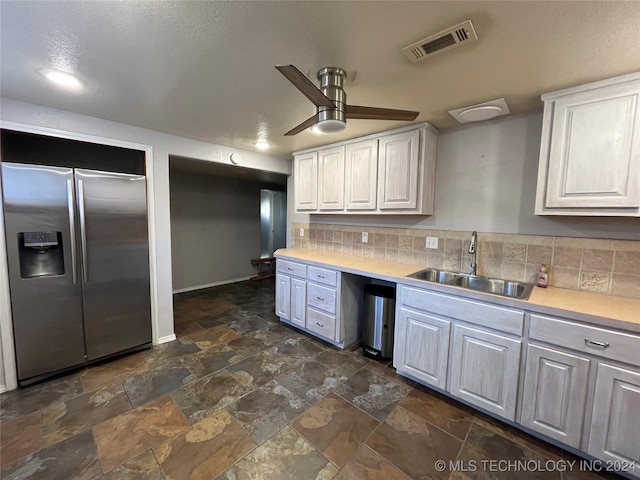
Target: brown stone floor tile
66	419
266	410
484	446
143	467
74	458
374	394
335	427
206	449
19	438
126	436
112	371
212	336
439	411
30	399
184	328
311	381
201	398
159	354
158	381
368	465
252	343
263	367
411	444
345	363
285	456
213	359
518	436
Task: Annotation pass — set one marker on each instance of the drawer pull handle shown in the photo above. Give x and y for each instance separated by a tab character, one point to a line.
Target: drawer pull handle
290	269
597	344
320	298
321	325
320	276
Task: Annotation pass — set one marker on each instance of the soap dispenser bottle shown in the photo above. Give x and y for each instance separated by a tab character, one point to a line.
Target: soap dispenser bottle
543	276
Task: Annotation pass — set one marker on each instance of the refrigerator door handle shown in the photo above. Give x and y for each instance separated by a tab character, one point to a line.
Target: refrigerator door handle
72	231
83	231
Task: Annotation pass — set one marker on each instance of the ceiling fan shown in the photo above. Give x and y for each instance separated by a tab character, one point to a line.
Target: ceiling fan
331	102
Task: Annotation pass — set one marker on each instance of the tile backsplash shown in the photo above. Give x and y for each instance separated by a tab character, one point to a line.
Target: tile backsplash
598	265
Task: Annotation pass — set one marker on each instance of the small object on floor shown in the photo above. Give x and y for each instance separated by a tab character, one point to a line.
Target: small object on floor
266	267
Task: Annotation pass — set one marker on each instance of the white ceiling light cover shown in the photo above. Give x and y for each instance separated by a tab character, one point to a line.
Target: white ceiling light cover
481	111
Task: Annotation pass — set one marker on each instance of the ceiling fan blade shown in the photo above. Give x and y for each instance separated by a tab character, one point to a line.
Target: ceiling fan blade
375	113
309	122
305	85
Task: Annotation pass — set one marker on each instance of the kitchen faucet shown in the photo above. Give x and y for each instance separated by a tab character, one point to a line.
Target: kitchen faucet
473	248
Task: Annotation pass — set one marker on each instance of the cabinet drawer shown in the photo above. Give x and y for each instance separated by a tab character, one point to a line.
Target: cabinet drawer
484	314
292	268
323	298
321	323
602	342
322	275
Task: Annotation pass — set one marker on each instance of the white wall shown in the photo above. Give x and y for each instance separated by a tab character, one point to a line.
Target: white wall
58	122
486	177
215	229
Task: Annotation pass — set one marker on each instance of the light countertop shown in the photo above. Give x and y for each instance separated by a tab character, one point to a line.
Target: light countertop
606	310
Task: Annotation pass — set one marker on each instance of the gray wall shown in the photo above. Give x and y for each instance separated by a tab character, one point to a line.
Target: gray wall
486	177
215	229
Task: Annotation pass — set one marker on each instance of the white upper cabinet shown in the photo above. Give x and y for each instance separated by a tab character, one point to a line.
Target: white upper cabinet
398	170
331	179
386	173
361	175
305	183
590	150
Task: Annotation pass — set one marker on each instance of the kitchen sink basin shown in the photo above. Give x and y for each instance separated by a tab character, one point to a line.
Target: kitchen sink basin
434	275
494	286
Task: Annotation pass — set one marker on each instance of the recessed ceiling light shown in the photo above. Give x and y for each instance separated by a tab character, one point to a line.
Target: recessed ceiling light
62	79
262	145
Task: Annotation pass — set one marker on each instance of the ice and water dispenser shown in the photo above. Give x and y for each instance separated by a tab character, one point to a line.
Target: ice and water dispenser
40	254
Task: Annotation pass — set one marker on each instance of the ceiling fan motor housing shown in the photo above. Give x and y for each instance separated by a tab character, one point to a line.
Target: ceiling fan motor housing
331	82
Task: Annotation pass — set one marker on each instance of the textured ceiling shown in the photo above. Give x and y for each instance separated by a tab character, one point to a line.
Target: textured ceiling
205	70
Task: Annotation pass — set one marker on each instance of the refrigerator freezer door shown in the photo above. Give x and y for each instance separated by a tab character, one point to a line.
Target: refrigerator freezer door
112	218
46	303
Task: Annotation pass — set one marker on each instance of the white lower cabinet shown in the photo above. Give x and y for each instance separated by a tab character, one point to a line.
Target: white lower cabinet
485	369
615	425
291	292
422	346
555	393
323	302
298	301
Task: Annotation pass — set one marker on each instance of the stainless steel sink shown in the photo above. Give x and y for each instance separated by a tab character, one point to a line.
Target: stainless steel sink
434	275
494	286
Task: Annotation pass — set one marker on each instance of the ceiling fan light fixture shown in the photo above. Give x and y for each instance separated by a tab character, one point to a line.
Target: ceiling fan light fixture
330	126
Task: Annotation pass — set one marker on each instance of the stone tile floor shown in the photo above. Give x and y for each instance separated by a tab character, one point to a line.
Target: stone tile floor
240	396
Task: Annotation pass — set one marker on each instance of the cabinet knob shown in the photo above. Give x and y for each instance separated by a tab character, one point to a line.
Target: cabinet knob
320	276
321	325
290	269
320	298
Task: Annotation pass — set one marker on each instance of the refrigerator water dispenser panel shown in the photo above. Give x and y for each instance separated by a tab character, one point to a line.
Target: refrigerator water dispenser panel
40	254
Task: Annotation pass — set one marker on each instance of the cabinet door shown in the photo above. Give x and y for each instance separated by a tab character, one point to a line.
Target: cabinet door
422	347
361	175
298	301
283	296
306	181
331	179
554	394
484	370
594	155
398	171
615	424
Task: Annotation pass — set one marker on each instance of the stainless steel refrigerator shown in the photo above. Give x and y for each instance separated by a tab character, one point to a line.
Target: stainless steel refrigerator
78	255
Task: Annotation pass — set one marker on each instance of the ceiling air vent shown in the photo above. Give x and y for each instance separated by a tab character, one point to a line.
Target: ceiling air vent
452	37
